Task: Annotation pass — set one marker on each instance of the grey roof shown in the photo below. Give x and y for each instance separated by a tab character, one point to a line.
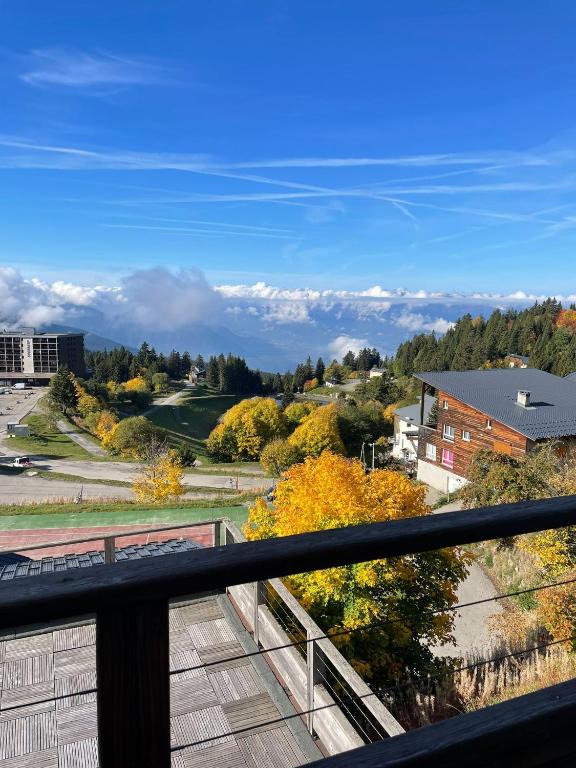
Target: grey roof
413	411
552	409
571	376
16	566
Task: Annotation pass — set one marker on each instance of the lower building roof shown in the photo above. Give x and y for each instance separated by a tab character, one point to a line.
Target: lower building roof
13	566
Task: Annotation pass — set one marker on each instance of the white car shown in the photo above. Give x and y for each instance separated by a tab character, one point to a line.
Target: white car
21	461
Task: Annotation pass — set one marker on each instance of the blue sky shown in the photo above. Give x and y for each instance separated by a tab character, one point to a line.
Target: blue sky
328	144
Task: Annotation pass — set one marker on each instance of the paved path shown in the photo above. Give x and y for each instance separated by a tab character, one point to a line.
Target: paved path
471	626
80	439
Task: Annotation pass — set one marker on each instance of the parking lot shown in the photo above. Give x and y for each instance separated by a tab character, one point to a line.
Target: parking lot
16	404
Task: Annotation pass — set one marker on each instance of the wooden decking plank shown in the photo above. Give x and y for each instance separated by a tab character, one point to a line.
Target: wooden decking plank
47	758
251	715
68	691
206	726
235	683
188	660
27	671
76	723
74	637
223	656
30	709
219	756
188	695
204	610
27	694
275	748
76	661
33	645
79	754
209	633
20	736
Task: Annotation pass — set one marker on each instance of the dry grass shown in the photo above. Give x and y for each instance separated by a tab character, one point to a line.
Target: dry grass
510	568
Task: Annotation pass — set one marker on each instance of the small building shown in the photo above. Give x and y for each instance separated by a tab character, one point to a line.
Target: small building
374	373
510	410
516	361
196	374
13	429
331	383
406	429
32	357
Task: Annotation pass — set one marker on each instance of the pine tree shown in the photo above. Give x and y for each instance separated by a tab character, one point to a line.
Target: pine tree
62	392
319	371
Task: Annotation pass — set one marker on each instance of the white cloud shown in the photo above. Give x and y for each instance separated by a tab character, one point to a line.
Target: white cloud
68	68
415	322
159	299
343	344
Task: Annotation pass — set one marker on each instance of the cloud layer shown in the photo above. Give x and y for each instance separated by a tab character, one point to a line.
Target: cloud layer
172	307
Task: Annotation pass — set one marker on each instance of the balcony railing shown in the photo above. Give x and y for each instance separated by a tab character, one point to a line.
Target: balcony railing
130	601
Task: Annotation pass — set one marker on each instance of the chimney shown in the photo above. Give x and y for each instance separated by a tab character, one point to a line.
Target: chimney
523	398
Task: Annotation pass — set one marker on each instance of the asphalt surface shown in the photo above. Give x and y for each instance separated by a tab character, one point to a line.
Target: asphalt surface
14	406
471	625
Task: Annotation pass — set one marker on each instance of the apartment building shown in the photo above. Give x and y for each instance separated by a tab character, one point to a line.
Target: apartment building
28	356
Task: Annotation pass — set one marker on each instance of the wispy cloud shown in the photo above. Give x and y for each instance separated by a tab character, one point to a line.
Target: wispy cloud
197	231
78	69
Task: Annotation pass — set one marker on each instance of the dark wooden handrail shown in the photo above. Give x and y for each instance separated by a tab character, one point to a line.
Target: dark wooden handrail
130	600
68	593
527	732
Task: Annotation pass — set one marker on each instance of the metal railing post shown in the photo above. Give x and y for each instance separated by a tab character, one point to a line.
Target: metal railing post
109	549
256	613
217	528
310	679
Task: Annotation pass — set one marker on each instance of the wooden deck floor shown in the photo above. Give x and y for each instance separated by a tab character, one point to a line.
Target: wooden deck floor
46	721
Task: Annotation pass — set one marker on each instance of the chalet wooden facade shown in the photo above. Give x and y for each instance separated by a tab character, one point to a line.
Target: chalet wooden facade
509	411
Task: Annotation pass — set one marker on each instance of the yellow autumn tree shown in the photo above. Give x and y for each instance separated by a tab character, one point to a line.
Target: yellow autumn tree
296	412
318	432
137	384
106	427
161	478
245	429
395	607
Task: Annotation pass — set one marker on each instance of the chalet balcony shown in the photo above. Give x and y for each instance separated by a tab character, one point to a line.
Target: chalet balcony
108	665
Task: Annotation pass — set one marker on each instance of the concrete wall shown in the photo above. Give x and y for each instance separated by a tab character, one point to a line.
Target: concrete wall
439	477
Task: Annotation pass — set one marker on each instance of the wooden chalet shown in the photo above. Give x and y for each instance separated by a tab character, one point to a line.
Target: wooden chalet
509	410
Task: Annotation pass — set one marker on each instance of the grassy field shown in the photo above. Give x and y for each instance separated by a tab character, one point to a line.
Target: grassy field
47	440
198	509
195	416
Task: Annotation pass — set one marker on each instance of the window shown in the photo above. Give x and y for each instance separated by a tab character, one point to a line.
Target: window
448	458
466	435
488	423
430	451
448	432
445	404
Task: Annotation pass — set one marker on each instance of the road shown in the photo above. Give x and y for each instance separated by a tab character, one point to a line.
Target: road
471	625
21	489
14	406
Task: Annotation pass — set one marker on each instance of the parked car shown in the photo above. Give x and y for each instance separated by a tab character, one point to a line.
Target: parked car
21	461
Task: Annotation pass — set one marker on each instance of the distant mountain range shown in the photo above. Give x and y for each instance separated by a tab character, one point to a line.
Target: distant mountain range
276	335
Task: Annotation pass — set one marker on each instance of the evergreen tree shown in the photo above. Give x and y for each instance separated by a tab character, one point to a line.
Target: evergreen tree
62	392
319	371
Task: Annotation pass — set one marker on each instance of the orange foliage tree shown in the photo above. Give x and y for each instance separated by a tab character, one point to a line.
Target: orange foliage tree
394	606
567	319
